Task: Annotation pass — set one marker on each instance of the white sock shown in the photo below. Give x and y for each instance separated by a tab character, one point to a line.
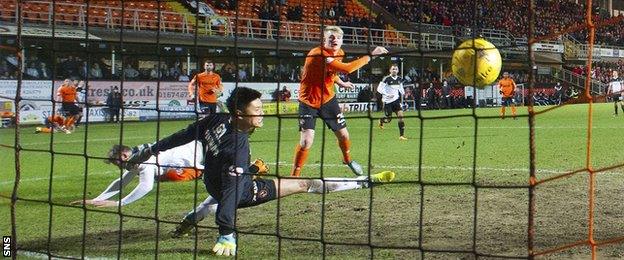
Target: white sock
335	184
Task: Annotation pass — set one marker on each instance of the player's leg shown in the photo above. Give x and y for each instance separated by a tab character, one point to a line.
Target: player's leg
388	109
511	103
307	122
205	208
615	104
401	124
332	115
502	109
292	186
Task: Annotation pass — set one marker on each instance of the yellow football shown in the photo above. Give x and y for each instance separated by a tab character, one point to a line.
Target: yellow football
488	63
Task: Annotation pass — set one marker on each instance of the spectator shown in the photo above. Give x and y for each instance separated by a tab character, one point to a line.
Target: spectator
96	71
284	94
44	72
432	97
31	71
154	73
130	72
114	102
184	77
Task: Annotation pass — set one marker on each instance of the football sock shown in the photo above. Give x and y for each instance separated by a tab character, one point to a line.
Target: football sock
301	155
345	146
334	184
401	128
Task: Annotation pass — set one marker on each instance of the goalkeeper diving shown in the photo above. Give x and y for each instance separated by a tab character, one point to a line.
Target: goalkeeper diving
226	174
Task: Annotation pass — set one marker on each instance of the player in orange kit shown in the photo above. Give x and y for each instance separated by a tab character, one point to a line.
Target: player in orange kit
317	96
53	123
67	95
208	90
507	88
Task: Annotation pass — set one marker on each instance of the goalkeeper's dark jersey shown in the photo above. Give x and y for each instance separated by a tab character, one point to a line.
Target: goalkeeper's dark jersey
226	162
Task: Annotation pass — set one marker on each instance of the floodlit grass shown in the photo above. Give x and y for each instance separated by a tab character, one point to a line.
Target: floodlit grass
453	192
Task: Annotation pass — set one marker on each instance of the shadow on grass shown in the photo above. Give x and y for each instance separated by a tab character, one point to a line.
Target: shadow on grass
105	243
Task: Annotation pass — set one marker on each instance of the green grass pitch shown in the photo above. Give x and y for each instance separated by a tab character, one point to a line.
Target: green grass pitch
441	179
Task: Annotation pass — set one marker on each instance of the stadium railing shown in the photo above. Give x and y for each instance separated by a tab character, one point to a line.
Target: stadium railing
113	17
578	81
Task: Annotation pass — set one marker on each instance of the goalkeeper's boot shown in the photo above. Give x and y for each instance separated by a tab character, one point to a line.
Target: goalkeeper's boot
355	167
402	138
37	130
183	228
385	176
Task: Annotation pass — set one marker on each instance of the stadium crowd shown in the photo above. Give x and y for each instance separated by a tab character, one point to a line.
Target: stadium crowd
552	16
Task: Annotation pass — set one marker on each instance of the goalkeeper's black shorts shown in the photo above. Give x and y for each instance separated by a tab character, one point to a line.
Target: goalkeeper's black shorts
259	191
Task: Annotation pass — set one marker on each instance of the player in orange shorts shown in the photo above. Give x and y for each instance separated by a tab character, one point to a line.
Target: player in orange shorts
208	90
507	88
317	96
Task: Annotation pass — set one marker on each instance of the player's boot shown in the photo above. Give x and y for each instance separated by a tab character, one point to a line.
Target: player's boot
355	167
382	177
182	229
385	176
37	130
402	138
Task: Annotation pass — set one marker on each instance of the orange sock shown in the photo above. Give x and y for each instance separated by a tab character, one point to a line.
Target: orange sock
345	147
301	155
513	110
69	122
502	111
46	130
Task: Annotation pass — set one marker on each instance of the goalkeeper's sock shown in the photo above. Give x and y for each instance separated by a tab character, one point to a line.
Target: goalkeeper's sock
345	147
502	112
301	155
46	130
513	110
205	208
335	184
401	128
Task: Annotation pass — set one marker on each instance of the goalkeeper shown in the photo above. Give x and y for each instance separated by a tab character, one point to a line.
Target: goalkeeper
226	149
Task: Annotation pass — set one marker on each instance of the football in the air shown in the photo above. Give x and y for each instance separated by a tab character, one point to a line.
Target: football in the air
488	63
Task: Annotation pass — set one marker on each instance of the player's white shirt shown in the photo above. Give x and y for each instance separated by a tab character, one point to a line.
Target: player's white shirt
390	88
188	155
616	85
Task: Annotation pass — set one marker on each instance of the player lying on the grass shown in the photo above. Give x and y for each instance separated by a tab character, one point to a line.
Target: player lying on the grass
178	164
227	179
55	123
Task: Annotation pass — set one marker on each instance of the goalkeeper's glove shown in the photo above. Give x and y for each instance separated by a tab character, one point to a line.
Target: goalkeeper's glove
226	245
139	155
500	92
259	167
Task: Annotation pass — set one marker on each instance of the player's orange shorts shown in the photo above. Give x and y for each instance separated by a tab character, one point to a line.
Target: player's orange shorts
180	174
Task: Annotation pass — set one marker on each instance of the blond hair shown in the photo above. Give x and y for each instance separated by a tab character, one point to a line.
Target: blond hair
333	29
